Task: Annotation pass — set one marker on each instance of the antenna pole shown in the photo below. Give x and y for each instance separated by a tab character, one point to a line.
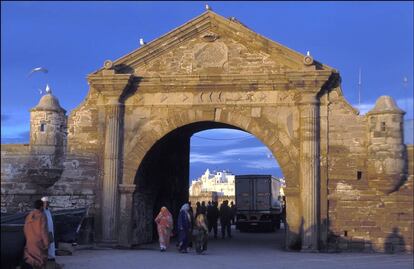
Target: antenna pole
359	87
405	84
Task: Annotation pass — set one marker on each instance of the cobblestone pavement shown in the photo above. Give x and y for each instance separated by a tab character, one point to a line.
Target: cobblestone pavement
244	250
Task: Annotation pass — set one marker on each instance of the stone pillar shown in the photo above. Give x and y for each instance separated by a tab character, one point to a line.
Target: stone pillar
309	171
111	172
112	87
126	192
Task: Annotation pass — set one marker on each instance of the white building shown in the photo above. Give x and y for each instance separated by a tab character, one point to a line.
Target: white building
221	182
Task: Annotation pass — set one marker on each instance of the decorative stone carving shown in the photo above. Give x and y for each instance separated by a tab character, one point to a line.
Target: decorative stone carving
108	64
211	55
307	60
210	37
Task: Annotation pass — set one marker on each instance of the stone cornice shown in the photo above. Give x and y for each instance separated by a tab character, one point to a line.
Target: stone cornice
311	81
110	84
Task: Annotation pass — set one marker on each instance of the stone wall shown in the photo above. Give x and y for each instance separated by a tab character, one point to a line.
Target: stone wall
364	212
27	176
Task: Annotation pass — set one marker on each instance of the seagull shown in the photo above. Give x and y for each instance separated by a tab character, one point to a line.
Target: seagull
208	7
40	91
141	42
405	81
38	69
48	89
308	53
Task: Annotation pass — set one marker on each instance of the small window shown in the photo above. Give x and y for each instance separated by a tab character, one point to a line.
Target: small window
383	125
359	175
345	233
42	127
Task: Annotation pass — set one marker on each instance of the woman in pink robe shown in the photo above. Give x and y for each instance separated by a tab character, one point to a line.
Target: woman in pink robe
164	222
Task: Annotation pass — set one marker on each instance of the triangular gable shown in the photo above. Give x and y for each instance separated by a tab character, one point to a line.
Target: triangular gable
205	29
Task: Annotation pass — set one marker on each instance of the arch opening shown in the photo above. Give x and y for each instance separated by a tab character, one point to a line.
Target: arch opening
163	177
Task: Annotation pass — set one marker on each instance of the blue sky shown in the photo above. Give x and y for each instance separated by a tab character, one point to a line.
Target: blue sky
73	39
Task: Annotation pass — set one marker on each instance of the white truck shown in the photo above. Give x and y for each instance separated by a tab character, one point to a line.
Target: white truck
257	202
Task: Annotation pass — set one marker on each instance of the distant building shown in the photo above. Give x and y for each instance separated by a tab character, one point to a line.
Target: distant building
222	183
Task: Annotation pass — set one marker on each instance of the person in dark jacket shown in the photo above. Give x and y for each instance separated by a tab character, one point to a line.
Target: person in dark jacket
233	212
198	209
190	232
212	217
203	208
225	217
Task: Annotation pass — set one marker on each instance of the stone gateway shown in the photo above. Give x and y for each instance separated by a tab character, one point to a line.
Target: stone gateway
125	150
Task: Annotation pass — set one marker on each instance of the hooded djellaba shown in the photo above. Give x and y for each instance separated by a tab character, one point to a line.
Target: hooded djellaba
165	225
184	228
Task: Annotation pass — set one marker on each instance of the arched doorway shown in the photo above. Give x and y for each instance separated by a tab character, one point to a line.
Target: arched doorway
172	149
162	178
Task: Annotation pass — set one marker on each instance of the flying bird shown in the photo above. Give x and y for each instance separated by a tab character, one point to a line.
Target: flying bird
40	91
38	69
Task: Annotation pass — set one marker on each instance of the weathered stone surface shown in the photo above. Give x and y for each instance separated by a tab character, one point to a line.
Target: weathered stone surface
126	151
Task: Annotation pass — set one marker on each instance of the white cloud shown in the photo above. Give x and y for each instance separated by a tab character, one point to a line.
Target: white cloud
261	157
262	164
207	158
364	108
246	151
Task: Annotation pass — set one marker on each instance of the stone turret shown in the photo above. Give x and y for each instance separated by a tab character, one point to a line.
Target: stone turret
386	148
48	128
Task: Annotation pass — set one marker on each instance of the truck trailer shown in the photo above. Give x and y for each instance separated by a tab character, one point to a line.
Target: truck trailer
257	202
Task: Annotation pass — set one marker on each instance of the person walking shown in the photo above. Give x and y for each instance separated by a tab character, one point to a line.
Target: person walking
225	216
190	231
37	239
184	222
233	213
203	208
51	252
165	224
284	212
198	209
201	234
212	217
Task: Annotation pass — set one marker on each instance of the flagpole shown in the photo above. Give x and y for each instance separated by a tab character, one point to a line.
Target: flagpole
359	87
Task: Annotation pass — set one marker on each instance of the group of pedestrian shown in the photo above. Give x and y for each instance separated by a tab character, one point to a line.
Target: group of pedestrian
39	234
193	230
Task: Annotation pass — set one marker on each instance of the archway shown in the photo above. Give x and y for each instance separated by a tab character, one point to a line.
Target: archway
162	179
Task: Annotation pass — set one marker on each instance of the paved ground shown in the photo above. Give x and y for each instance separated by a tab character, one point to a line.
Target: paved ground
244	250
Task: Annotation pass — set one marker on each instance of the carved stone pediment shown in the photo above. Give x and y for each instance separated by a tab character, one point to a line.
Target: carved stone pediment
213	44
